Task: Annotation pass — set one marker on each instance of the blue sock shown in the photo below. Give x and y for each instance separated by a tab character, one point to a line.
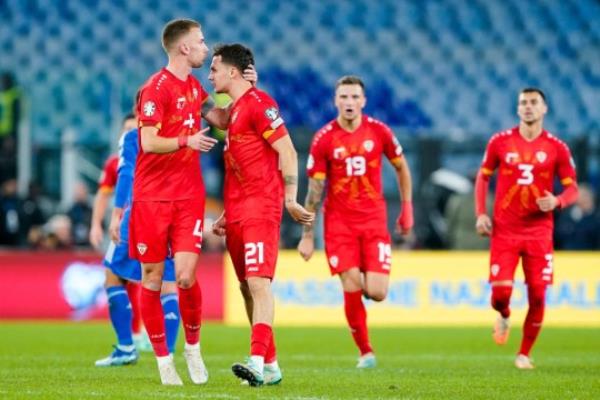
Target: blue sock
170	305
119	309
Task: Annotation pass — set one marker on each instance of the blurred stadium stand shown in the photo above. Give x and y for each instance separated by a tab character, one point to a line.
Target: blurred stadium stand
434	69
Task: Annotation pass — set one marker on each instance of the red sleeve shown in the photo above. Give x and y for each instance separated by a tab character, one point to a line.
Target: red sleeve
490	157
568	178
316	166
268	121
391	147
151	106
108	179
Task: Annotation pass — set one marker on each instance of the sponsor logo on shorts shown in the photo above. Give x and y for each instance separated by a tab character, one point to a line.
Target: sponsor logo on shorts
142	247
494	269
334	261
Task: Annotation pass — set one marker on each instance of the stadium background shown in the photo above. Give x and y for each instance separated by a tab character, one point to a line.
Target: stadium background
443	73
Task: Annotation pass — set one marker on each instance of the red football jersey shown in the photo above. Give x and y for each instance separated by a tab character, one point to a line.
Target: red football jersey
173	106
108	179
525	170
351	163
253	181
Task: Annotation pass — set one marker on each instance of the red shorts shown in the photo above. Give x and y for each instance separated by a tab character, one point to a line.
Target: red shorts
536	255
157	226
253	246
366	247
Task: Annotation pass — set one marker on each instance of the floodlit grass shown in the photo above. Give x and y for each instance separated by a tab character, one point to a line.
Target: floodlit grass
43	360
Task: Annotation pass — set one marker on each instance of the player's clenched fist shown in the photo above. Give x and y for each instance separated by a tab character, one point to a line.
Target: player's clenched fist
299	213
306	247
484	225
199	141
218	227
547	203
405	221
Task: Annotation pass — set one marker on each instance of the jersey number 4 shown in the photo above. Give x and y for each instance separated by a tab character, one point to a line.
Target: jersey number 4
526	177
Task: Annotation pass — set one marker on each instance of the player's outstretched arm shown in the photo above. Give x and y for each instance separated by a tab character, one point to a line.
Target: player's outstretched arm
152	143
288	159
484	223
405	220
306	247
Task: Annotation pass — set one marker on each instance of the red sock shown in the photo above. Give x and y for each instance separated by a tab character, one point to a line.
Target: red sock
134	291
190	307
356	314
271	355
501	299
262	336
535	315
154	320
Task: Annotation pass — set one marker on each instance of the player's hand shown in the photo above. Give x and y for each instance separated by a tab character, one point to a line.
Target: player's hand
306	247
547	203
113	228
199	141
299	213
96	236
405	220
218	227
251	75
484	225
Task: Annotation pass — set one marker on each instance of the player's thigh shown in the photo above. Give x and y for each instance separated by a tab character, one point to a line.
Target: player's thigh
148	230
538	262
261	247
504	258
342	246
118	261
351	279
234	241
187	225
376	250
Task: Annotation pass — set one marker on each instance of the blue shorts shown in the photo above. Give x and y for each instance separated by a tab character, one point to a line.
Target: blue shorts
117	259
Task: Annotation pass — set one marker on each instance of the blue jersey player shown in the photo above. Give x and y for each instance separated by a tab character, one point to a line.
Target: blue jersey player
120	268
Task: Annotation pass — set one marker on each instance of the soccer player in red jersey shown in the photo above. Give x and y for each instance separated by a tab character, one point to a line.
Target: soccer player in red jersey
261	171
168	192
347	152
527	158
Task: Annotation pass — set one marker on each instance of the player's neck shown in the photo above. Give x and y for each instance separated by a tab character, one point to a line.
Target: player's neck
349	125
180	69
238	89
530	131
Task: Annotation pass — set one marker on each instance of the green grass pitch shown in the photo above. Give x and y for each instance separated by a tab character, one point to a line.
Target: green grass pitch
56	361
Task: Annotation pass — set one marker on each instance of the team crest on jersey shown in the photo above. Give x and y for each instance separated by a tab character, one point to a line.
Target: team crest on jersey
310	163
334	261
142	248
494	269
511	157
272	113
149	108
180	103
541	156
368	145
195	93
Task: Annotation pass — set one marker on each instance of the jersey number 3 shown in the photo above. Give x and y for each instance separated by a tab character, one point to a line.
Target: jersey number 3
526	174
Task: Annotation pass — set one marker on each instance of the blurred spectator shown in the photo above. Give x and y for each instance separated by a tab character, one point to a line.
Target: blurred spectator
32	215
56	233
578	228
9	119
460	221
10	219
81	216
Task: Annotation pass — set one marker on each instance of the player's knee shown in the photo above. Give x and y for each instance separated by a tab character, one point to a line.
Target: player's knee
258	286
185	281
378	294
